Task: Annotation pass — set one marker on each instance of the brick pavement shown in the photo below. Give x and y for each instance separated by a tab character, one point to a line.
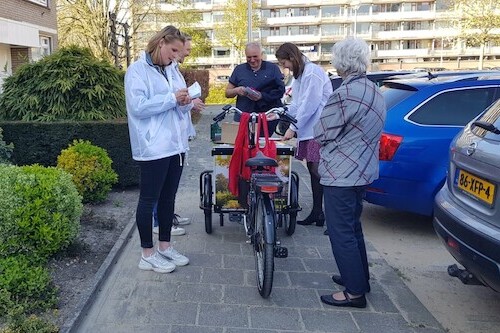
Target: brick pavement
216	292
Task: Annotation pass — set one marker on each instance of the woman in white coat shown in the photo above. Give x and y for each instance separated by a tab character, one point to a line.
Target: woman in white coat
158	106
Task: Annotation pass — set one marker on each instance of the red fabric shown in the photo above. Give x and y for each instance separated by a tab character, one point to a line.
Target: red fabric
269	148
241	151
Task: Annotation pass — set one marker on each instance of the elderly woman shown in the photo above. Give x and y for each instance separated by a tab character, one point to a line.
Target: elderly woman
349	130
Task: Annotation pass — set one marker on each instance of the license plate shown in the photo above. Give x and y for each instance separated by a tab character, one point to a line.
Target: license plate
477	187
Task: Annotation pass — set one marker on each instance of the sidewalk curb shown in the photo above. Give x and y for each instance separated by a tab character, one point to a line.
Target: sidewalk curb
73	323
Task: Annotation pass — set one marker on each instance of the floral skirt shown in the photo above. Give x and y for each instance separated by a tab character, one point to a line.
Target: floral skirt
308	150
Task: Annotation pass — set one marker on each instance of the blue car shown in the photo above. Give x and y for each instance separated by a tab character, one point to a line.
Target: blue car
423	116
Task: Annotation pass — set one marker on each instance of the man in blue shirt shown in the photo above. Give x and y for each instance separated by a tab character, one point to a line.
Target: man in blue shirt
263	77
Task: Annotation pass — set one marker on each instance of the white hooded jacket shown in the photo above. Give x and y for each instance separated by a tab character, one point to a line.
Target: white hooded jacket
158	125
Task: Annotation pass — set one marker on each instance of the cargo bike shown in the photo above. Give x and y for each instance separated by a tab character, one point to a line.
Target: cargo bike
266	202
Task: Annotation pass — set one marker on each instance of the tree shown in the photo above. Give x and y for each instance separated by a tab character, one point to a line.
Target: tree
232	31
186	20
478	20
87	22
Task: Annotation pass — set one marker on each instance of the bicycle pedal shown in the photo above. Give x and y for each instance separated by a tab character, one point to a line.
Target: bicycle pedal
280	252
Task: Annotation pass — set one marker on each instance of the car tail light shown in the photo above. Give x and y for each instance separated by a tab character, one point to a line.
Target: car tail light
453	244
389	144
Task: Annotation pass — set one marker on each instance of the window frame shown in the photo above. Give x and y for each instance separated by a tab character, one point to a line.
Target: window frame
408	116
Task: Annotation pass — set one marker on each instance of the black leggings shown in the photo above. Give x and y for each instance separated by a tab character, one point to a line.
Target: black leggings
316	188
159	183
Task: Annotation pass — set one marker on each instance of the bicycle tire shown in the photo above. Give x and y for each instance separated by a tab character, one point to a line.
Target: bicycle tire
291	220
207	202
262	246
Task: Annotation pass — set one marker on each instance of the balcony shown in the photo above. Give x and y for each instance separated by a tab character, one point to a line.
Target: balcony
406	53
287	3
290	20
403	34
399	16
291	39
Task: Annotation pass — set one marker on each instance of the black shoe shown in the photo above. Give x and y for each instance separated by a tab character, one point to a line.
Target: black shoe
319	220
358	302
338	280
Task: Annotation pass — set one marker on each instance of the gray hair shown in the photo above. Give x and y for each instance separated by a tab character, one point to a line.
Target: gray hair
351	55
253	45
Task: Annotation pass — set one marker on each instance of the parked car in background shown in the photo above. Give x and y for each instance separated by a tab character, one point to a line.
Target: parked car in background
467	208
377	77
434	74
423	116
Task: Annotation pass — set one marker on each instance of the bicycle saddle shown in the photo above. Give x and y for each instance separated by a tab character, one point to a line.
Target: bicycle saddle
261	160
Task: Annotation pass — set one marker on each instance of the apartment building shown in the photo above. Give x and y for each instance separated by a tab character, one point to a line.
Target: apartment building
402	34
28	31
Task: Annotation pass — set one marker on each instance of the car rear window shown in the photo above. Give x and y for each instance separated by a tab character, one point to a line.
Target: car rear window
393	96
492	116
454	107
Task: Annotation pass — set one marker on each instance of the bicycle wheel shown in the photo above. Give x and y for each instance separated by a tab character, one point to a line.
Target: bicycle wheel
263	244
291	219
207	202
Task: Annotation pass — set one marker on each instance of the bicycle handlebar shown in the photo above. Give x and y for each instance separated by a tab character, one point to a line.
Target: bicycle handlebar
279	111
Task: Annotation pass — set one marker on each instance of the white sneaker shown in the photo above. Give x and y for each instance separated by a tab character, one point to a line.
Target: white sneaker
157	263
176	231
181	220
174	256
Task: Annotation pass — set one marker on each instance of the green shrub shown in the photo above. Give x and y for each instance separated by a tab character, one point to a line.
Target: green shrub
69	84
31	324
5	149
28	284
217	95
7	304
91	169
40	212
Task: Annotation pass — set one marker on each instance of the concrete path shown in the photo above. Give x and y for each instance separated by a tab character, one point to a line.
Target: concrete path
216	292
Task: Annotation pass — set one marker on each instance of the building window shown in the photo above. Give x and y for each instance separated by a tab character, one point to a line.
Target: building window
330	11
326	48
218	16
304	30
279	12
364	9
274	31
45	48
388	26
332	30
305	11
411	44
412	26
387	8
221	53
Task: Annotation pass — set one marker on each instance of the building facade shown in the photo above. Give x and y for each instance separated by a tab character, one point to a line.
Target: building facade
402	34
28	31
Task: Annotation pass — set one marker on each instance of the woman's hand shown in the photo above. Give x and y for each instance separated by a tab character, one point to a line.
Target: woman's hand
182	96
198	105
289	134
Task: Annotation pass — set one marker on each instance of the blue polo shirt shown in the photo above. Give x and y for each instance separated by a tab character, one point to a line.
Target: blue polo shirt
268	80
